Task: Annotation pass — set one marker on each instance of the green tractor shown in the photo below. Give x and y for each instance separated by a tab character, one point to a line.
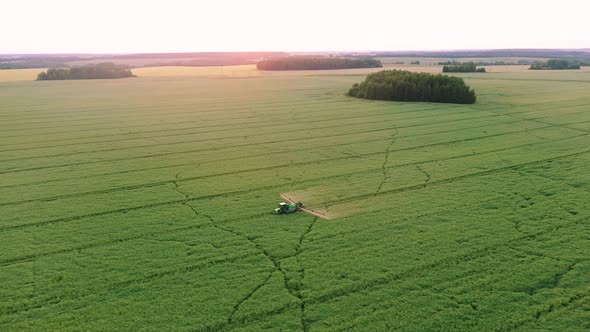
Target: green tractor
286	208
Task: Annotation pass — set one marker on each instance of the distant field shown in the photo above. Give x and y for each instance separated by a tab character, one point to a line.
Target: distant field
10	75
434	60
131	62
145	203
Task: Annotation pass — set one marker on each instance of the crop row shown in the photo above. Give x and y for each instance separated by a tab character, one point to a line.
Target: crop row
428	131
383	280
366	152
150	214
224	121
307	137
249	318
276	128
281	115
148	105
326	295
351	198
220	113
290	108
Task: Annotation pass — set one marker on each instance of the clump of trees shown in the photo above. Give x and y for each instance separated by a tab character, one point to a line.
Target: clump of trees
316	63
555	65
401	85
466	67
106	70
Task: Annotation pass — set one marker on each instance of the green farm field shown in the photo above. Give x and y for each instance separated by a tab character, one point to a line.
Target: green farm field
145	204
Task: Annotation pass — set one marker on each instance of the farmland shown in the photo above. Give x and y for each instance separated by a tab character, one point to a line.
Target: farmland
145	204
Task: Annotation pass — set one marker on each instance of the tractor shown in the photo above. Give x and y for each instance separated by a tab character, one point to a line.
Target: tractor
286	208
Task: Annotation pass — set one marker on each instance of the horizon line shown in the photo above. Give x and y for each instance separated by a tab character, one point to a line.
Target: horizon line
314	51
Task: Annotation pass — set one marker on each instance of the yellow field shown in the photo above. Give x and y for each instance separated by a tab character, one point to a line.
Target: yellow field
11	75
251	71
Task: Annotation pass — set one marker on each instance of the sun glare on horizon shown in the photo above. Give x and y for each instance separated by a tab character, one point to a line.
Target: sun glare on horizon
68	26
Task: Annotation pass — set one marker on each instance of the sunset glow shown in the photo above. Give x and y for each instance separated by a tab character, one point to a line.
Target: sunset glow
68	26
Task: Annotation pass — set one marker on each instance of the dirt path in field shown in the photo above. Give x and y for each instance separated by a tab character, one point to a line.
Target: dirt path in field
304	209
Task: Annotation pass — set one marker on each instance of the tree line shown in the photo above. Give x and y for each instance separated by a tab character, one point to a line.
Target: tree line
466	67
488	63
316	63
401	85
106	70
26	64
555	65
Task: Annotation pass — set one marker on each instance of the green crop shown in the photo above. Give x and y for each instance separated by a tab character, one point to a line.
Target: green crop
146	204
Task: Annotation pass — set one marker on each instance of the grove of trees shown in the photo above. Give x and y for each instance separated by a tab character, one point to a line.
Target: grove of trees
555	65
466	67
401	85
104	70
316	63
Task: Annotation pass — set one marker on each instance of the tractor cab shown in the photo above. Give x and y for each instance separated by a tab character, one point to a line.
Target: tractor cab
285	208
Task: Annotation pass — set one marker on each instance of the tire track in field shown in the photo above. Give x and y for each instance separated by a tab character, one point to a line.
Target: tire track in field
237	136
388	306
372	106
275	261
160	114
563	125
20	259
172	101
113	241
338	110
279	131
208	103
270	187
250	144
220	105
375	283
372	284
189	128
47	253
265	123
173	134
289	164
264	109
307	137
271	259
426	174
263	154
234	158
108	112
513	115
455	178
78	294
98	244
298	252
229	124
361	286
563	303
236	307
386	160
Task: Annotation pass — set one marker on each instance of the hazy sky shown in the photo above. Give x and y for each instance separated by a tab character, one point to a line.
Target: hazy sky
103	26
